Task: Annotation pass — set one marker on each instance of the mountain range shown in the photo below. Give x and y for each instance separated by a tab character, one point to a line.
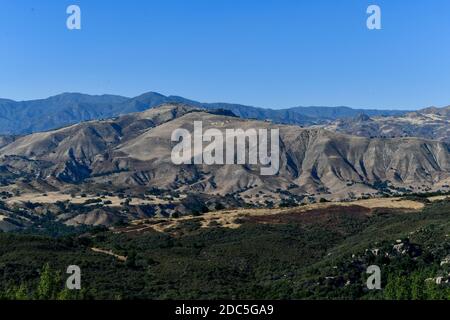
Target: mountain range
133	151
24	117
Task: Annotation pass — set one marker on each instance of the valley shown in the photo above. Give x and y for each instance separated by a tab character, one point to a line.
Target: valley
105	195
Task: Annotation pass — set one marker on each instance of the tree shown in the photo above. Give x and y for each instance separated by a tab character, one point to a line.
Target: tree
49	284
16	293
417	282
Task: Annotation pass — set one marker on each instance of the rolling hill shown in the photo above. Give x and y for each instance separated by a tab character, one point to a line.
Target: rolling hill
134	150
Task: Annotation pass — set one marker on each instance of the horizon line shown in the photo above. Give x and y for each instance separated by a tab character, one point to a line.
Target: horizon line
229	103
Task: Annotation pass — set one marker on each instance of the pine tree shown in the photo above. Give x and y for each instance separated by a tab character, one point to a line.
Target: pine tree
49	284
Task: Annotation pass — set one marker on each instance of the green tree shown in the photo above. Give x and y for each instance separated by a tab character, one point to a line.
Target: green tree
49	284
16	293
432	291
417	284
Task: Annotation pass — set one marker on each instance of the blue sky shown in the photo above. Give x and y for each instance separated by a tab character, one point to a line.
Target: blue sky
268	53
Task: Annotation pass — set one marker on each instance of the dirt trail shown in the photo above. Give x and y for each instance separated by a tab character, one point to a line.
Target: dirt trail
110	253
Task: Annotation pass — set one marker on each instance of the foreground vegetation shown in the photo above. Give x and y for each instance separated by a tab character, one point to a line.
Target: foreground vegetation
322	254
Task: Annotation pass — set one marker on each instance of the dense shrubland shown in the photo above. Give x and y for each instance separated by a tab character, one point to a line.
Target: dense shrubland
325	257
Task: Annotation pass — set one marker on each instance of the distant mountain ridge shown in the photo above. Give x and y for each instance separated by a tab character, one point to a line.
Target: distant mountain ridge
430	123
24	117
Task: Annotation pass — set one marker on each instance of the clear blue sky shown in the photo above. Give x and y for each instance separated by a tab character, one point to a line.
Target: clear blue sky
269	53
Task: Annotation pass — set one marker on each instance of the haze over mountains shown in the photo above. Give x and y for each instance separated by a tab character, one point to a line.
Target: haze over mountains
24	117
